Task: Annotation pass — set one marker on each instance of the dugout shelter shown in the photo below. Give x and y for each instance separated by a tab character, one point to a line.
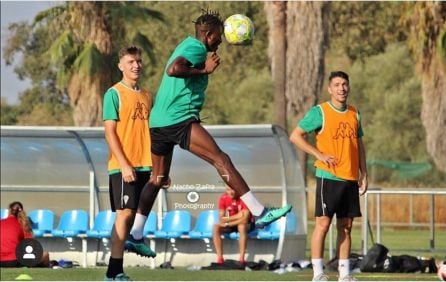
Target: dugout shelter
65	168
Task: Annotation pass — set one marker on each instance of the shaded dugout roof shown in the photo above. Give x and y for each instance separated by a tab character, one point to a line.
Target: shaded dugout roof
46	159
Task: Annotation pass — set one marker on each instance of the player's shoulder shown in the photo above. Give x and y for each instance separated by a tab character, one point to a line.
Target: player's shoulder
352	108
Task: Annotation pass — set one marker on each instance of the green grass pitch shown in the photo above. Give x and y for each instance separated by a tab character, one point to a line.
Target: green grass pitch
181	274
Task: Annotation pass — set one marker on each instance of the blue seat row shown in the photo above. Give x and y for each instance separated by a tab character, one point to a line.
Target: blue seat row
176	224
3	213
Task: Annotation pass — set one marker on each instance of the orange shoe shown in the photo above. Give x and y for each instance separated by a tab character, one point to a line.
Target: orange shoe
220	260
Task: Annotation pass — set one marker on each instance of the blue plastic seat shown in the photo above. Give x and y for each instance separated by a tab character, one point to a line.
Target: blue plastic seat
103	225
203	226
4	213
42	221
151	225
176	223
71	224
272	231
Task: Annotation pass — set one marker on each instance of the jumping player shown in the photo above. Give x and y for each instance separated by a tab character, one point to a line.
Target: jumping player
175	120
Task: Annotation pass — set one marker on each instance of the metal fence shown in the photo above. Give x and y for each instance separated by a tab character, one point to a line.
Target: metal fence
379	193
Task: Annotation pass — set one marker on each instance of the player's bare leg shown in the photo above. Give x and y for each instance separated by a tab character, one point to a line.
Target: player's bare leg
121	228
317	247
203	145
243	232
344	228
159	179
216	237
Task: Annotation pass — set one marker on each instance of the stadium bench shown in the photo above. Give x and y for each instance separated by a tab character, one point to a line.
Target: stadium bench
103	225
72	223
4	213
176	224
42	221
204	224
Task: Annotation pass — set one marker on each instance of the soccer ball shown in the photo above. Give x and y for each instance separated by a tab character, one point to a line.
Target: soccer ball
442	271
239	30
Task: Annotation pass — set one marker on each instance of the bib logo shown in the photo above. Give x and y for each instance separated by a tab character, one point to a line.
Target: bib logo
344	131
141	112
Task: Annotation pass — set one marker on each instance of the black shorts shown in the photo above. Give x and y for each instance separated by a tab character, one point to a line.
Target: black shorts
163	139
125	195
337	197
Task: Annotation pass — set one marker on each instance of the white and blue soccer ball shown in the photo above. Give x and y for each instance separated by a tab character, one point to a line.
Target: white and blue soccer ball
239	29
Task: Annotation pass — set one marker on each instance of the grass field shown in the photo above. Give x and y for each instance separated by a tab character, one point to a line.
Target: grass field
399	240
181	274
411	241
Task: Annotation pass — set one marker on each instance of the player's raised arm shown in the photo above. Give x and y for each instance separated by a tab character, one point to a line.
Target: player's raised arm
182	68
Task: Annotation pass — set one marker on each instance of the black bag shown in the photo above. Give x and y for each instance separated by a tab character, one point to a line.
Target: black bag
391	264
373	261
409	264
403	264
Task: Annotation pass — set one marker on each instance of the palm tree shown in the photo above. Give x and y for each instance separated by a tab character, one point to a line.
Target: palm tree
298	40
426	22
86	39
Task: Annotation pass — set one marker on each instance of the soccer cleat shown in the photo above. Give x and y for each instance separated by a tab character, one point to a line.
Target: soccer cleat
270	215
119	277
320	277
348	278
139	247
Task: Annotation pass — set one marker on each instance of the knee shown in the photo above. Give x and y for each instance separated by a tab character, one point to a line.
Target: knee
345	228
125	217
322	227
156	182
216	229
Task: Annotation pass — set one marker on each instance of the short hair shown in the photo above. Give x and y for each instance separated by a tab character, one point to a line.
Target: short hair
208	18
130	50
341	74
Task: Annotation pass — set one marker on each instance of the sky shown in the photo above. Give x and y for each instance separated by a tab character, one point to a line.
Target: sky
15	11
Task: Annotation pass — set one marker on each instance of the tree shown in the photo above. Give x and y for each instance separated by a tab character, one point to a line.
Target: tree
306	29
43	103
364	28
8	113
276	17
84	40
426	22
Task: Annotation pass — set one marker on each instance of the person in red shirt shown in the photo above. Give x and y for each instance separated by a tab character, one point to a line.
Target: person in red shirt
234	216
14	229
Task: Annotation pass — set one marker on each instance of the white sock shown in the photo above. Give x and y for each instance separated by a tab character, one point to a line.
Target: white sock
138	226
318	266
252	203
344	268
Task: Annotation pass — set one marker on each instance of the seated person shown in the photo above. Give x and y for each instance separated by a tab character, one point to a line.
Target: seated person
13	230
233	216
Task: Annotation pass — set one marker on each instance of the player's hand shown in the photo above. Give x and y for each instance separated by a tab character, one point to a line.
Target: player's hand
363	184
212	62
330	161
128	174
